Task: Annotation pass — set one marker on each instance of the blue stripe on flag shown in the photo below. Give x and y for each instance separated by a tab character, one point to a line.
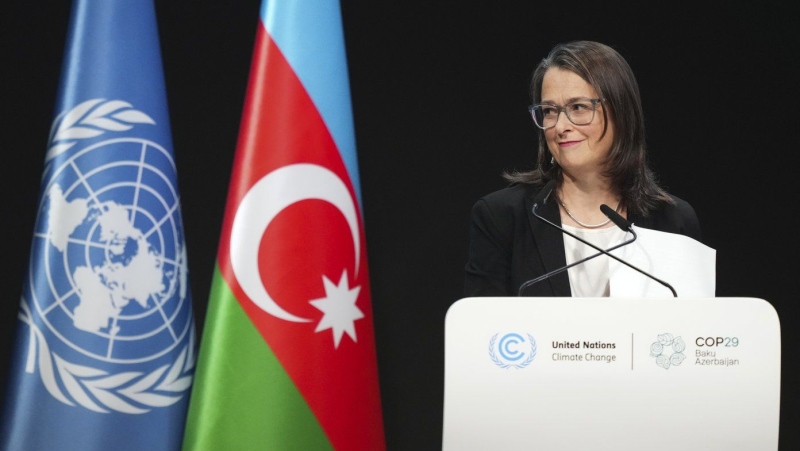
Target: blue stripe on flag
317	55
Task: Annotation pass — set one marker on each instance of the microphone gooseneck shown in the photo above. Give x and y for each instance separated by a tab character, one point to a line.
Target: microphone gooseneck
622	223
564	268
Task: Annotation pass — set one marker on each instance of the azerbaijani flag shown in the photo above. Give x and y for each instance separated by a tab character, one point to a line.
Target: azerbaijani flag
287	359
104	352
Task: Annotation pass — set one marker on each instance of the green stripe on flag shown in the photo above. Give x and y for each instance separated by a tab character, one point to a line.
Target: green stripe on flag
242	398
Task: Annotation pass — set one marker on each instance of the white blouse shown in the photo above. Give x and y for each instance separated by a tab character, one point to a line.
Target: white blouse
590	278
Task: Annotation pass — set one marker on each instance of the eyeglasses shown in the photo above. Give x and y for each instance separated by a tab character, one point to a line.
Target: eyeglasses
579	112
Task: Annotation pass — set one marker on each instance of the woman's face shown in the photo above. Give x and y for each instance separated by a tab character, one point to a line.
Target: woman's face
580	150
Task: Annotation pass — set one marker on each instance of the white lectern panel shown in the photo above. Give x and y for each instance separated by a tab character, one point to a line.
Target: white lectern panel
612	374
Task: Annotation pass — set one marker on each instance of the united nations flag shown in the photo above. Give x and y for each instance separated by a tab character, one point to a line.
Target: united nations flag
104	355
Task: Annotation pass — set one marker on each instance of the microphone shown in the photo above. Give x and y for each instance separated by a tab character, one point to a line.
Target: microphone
564	268
617	219
624	224
621	222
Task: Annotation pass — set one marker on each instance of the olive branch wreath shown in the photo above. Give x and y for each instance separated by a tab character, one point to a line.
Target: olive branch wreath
89	119
504	365
109	392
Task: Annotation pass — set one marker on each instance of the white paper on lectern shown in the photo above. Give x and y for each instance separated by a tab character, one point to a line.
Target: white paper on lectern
686	264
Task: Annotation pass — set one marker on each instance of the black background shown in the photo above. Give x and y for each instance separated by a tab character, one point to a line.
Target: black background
439	96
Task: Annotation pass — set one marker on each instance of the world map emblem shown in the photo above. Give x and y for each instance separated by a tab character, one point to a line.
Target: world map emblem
108	306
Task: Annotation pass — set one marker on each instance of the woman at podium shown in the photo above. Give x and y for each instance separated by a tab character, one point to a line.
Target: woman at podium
588	116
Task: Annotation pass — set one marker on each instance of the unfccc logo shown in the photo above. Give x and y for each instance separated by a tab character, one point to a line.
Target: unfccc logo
512	350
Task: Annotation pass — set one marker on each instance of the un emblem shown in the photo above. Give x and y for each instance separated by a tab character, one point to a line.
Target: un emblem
108	279
512	350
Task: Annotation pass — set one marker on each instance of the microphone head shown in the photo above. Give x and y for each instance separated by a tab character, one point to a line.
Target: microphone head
615	217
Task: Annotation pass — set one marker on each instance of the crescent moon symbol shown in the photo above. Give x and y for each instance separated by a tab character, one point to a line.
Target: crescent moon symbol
263	202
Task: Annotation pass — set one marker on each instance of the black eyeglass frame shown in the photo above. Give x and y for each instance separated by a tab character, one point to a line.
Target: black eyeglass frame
594	103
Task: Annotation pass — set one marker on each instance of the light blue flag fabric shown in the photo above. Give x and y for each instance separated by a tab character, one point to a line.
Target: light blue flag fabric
104	354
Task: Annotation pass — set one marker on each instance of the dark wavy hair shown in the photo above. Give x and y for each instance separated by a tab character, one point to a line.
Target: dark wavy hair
611	76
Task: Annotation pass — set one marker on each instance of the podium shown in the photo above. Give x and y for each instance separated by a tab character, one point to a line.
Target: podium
611	374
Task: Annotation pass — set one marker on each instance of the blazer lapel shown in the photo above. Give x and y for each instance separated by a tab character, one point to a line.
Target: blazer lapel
549	240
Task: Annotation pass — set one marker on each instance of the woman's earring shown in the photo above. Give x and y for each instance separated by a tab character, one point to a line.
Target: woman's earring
552	160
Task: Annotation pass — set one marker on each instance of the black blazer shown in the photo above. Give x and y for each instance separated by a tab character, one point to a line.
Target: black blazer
509	246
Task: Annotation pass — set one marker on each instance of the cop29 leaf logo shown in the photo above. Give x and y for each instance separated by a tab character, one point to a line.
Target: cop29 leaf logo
668	351
512	351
